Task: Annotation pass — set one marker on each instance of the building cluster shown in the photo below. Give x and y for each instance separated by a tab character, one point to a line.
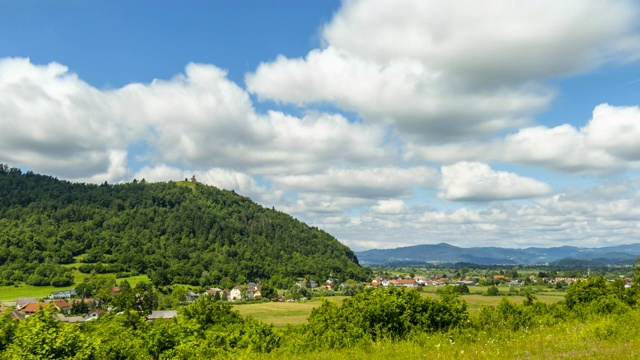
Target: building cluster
417	281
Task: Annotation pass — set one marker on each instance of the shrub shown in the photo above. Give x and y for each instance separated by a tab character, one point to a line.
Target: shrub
493	291
388	313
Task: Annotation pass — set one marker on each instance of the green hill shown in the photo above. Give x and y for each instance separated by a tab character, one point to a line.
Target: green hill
175	232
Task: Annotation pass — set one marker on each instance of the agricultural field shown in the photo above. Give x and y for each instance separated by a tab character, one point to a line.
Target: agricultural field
281	314
11	293
606	337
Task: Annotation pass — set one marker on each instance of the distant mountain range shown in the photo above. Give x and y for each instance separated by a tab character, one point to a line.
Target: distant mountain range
445	253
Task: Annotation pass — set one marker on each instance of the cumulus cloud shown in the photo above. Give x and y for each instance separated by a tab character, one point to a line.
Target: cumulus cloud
606	143
364	182
404	92
492	41
474	181
450	70
53	122
390	206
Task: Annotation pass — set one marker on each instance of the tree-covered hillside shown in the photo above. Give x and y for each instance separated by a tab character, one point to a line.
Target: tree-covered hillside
176	232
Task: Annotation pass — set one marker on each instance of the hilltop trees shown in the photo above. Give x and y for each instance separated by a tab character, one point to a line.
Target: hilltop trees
174	232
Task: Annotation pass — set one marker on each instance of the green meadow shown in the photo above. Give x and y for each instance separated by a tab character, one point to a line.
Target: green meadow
11	293
281	314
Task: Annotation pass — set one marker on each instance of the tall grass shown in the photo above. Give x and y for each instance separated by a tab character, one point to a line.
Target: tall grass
598	337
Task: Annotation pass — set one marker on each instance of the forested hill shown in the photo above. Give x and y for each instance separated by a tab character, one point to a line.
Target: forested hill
176	232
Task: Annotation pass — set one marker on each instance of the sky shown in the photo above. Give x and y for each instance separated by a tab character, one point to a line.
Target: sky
384	123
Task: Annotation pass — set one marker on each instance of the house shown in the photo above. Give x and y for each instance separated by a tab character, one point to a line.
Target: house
420	280
61	305
214	292
403	283
235	294
93	315
115	290
465	282
90	301
162	314
62	294
515	283
254	291
34	307
192	296
331	282
22	302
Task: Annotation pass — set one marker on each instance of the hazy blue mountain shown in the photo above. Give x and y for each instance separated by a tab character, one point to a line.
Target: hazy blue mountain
495	255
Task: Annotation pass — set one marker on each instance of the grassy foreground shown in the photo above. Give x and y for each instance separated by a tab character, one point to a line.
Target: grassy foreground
282	314
604	337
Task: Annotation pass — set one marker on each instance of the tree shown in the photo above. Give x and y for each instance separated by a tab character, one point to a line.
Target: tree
493	291
583	292
207	312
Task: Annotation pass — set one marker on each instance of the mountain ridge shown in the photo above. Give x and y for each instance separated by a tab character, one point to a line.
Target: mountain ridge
447	253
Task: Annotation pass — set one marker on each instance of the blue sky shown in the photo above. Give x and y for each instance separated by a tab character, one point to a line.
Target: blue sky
386	124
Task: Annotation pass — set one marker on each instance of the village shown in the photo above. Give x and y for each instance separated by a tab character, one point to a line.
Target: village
68	306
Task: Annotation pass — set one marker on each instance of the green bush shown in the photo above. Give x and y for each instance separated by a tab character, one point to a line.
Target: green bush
388	313
493	291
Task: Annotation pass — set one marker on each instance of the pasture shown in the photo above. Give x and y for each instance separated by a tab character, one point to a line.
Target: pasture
11	293
282	314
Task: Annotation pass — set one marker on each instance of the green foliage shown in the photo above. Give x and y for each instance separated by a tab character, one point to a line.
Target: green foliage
493	291
185	233
40	336
8	327
298	292
583	292
207	312
142	298
453	290
351	289
380	314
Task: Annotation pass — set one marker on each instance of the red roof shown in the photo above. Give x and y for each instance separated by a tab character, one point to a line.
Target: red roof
31	308
60	304
403	282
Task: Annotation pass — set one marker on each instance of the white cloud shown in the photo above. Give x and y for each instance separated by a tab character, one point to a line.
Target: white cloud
451	70
607	143
417	99
51	121
474	181
374	182
615	130
390	206
490	41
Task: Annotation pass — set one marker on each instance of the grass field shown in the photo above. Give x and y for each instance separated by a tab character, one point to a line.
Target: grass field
11	293
281	314
605	337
